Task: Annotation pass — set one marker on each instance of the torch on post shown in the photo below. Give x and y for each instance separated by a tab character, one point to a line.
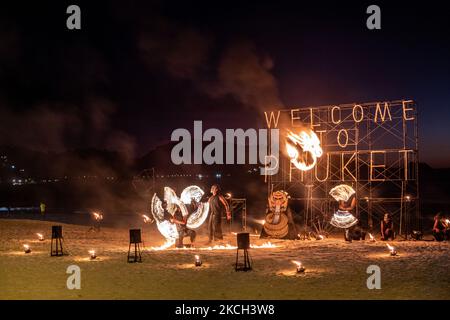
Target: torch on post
97	219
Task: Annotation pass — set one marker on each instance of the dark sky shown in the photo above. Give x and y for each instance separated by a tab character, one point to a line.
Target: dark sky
138	70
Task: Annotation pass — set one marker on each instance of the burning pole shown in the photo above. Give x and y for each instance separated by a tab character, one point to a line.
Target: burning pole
97	219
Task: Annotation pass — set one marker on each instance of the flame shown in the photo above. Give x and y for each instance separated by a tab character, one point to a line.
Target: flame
447	221
321	237
92	252
297	263
197	257
371	237
261	222
168	244
264	245
165	246
40	236
146	218
26	247
97	216
391	248
220	247
309	143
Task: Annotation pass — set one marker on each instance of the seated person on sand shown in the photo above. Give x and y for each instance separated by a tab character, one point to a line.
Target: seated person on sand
182	229
387	227
441	228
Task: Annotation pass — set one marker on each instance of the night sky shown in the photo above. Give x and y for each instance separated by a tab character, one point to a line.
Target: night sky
138	70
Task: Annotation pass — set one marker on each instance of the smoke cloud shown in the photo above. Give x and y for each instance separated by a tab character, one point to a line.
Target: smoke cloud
241	71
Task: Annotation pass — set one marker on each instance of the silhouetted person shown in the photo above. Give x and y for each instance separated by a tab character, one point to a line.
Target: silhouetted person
183	230
387	227
348	206
217	206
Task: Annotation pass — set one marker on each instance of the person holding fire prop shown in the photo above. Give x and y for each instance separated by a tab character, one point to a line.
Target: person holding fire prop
181	224
217	204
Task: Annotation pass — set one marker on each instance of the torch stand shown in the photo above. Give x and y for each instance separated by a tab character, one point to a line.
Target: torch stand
135	238
243	240
57	239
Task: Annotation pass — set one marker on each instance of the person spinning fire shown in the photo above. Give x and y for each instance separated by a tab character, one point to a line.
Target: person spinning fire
181	224
354	232
217	205
441	228
387	227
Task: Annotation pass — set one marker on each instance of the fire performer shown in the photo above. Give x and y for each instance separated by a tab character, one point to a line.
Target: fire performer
441	228
217	204
183	230
343	218
387	227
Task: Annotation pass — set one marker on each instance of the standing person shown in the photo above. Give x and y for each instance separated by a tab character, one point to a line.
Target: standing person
217	205
387	227
441	230
348	206
42	208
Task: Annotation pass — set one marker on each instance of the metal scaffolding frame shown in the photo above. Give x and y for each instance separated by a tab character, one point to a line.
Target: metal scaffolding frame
372	146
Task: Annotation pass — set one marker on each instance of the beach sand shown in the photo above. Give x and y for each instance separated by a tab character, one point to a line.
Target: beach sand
334	269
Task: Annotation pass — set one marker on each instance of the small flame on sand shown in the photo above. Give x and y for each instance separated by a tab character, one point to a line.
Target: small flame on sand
146	218
26	247
165	246
391	248
40	236
371	237
297	263
321	237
